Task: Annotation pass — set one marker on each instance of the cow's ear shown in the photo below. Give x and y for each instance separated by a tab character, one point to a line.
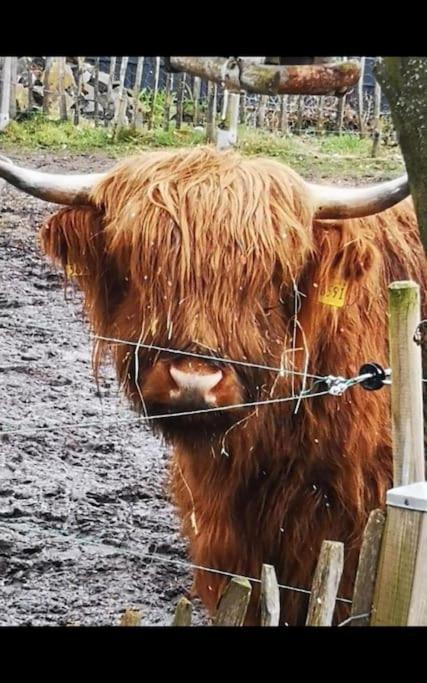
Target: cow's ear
73	238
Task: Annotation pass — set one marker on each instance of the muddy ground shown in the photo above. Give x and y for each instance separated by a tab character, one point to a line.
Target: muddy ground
83	501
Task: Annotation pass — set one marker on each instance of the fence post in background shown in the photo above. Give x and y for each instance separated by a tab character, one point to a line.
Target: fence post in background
78	91
401	588
197	83
183	613
130	617
377	122
340	113
137	116
300	107
270	598
154	93
320	120
180	100
234	603
5	92
262	107
227	136
168	96
363	594
360	97
242	114
13	82
30	84
122	99
211	112
284	123
63	114
325	584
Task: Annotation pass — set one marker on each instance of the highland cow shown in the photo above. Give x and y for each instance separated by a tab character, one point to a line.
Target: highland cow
210	253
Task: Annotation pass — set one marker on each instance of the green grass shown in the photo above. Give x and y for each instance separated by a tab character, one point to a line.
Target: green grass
344	157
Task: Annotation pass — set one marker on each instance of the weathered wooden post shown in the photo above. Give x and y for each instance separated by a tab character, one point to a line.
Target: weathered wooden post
211	112
137	117
364	586
234	603
227	136
325	584
5	92
377	119
183	613
360	97
180	100
401	589
270	597
154	93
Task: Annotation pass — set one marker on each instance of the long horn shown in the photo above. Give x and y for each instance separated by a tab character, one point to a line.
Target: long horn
345	202
61	189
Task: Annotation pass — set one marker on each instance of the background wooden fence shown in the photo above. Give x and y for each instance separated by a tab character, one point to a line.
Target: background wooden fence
138	93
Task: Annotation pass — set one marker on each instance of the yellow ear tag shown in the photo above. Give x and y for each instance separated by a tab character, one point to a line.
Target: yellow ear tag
334	294
70	271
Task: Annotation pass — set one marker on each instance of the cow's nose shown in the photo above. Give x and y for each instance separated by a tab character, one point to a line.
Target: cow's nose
194	383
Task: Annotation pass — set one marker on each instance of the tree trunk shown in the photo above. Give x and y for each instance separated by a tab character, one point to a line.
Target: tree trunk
404	82
5	92
137	117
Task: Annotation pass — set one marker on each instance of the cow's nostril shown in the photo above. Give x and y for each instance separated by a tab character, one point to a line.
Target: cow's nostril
194	381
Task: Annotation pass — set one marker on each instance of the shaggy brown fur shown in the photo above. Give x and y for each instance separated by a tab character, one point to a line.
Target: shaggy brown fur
197	250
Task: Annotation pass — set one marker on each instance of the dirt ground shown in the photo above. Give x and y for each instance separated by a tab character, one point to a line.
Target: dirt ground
83	504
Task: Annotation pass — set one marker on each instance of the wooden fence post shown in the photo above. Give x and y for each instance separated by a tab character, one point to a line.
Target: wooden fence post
360	97
5	92
234	603
227	136
211	112
325	584
180	100
377	120
363	594
183	613
401	588
130	617
401	591
406	387
270	598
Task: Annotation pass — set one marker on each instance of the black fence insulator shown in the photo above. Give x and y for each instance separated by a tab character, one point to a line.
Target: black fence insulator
378	376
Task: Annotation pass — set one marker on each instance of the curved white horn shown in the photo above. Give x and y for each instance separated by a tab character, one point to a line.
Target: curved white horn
61	189
355	202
